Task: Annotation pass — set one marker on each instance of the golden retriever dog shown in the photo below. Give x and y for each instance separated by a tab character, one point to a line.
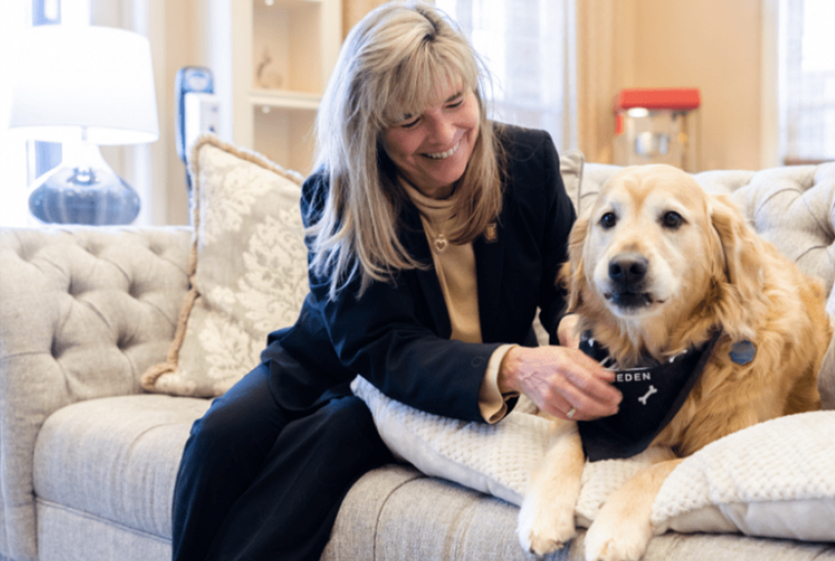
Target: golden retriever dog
657	269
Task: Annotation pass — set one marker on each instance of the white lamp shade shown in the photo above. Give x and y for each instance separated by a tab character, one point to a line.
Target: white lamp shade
88	83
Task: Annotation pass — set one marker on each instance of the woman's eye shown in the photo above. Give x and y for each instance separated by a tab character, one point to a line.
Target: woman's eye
410	123
608	220
457	103
672	220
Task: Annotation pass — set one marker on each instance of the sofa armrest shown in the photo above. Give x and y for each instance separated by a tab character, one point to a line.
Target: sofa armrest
83	312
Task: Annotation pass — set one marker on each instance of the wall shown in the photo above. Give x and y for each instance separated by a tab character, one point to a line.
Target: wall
355	10
174	28
713	45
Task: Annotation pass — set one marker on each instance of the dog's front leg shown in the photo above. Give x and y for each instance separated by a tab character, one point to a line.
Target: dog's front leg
546	520
622	527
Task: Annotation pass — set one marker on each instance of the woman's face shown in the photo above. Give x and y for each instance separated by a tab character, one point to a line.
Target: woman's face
432	149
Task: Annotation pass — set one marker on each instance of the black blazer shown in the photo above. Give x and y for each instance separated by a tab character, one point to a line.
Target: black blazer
397	334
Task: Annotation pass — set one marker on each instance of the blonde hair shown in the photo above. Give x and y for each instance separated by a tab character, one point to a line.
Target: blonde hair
389	67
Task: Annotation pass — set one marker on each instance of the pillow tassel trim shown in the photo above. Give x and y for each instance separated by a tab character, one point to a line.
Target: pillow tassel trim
170	366
151	376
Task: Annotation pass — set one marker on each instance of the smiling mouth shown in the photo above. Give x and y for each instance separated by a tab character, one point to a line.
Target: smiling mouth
444	155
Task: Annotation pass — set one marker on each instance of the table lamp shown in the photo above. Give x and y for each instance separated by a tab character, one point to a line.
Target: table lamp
84	86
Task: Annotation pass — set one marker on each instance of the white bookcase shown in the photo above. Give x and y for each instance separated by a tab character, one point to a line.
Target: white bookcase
270	78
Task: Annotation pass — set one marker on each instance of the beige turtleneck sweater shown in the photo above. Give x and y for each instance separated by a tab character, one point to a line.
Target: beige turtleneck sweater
455	267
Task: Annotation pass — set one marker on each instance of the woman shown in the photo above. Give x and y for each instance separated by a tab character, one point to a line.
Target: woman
433	237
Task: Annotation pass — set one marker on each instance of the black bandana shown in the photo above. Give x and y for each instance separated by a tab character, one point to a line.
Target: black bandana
652	395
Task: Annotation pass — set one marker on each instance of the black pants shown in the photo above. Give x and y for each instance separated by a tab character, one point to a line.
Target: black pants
260	482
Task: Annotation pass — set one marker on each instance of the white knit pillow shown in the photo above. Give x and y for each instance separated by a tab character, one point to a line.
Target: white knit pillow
775	479
493	459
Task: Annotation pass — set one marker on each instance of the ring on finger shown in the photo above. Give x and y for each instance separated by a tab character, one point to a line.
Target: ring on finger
571	413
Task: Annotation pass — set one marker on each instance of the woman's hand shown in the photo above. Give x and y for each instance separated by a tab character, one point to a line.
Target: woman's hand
563	382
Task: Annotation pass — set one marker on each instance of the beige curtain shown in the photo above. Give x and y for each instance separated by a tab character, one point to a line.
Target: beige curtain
605	41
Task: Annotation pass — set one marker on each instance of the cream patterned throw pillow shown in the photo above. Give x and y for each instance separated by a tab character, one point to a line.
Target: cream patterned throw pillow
248	270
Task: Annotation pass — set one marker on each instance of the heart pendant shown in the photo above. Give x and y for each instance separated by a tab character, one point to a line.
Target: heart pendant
440	243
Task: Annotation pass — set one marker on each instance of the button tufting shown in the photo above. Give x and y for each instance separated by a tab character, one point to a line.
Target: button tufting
124	341
54	349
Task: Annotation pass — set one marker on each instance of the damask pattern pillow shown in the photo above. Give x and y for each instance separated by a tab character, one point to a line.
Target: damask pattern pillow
248	270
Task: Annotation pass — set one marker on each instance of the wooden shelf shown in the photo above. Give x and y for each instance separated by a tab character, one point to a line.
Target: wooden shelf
282	55
285	99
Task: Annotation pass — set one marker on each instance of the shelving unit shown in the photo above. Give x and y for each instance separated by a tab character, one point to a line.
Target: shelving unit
282	55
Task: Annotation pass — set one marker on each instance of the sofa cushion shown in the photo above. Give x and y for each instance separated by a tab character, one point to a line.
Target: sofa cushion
116	458
393	513
248	270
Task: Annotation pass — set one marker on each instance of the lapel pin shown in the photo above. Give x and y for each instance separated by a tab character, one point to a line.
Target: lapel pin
491	233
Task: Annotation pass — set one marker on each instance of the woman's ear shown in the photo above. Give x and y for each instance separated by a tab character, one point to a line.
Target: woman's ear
572	274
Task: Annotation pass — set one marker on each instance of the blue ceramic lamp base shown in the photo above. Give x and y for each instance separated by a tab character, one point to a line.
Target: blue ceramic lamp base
83	190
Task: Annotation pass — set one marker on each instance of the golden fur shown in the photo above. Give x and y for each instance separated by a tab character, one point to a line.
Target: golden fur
705	268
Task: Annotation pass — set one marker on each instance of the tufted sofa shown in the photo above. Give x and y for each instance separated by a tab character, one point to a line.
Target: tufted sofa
88	460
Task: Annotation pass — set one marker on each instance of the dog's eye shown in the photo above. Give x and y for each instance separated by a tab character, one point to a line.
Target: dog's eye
608	220
672	220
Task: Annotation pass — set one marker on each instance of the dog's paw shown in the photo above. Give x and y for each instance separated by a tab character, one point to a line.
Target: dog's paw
624	540
545	527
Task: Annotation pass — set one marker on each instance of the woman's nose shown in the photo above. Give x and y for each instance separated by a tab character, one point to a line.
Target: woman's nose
442	128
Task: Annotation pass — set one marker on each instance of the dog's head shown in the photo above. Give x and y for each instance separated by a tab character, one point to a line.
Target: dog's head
655	252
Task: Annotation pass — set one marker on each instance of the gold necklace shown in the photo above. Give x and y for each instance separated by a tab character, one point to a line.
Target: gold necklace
440	242
436	238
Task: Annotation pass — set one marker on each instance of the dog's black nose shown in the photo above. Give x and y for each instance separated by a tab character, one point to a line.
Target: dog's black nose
628	269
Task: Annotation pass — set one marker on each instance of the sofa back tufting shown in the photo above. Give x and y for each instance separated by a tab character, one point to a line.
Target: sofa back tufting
83	312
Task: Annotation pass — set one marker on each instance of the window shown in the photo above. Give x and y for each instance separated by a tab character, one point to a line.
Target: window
807	81
529	48
13	191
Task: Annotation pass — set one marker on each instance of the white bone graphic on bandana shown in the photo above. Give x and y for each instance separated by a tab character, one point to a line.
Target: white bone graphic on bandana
651	391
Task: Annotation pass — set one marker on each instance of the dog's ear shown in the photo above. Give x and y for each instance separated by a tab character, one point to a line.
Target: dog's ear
572	274
739	261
